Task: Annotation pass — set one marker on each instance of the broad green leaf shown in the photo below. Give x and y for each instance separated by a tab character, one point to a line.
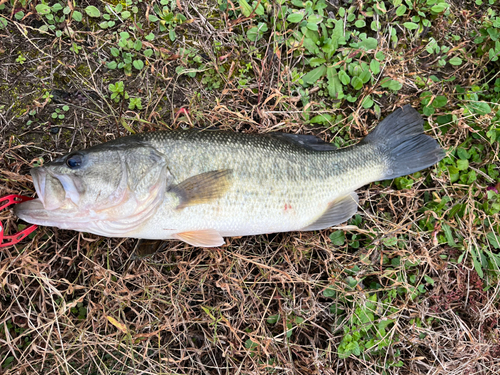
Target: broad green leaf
316	61
493	239
329	292
259	10
273	319
313	35
462	165
429	279
449	235
311	47
337	34
138	64
410	25
356	83
367	102
42	9
314	75
438	8
299	3
401	10
321	119
390	241
315	18
439	101
92	11
368	44
360	23
365	75
392	85
337	238
295	17
480	108
334	85
312	26
246	9
19	15
455	61
463	154
253	34
344	78
375	66
476	262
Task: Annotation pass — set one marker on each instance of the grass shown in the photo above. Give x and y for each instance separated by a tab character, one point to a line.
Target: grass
408	286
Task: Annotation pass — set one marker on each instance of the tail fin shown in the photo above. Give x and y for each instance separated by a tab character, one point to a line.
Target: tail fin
400	137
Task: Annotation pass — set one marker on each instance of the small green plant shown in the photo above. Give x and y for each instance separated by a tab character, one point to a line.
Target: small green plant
166	17
21	59
58	113
126	54
118	91
80	311
135	103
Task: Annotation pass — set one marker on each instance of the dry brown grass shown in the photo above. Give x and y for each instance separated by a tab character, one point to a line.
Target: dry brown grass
73	303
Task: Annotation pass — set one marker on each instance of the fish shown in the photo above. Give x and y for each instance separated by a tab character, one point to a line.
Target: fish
199	186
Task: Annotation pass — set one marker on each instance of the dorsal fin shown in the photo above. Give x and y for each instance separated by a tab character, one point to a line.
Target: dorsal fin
202	188
309	142
338	211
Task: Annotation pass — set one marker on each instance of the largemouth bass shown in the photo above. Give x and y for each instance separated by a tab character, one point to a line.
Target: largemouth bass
201	186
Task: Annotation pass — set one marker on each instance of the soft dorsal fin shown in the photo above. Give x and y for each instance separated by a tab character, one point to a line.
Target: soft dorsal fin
309	142
201	238
338	211
202	188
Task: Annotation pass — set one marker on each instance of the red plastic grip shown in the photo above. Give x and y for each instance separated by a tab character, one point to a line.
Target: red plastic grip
5	202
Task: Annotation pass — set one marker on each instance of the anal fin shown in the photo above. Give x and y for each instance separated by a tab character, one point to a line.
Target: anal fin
338	211
201	238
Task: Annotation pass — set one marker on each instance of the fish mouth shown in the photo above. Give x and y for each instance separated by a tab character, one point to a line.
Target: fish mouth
49	188
39	176
53	203
32	212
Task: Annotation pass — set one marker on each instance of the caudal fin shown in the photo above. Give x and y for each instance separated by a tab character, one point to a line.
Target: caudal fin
400	138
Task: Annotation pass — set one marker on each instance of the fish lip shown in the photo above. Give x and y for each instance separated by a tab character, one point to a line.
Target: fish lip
32	211
39	176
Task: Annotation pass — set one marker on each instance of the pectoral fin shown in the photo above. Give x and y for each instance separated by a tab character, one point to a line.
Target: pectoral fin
338	211
202	188
201	238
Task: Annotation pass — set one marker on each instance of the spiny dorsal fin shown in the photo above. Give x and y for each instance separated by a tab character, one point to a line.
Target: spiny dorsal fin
338	211
309	142
202	188
201	238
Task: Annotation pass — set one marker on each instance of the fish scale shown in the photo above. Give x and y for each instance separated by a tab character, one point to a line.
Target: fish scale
277	186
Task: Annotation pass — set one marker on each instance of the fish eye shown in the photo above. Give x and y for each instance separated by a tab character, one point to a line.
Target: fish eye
74	161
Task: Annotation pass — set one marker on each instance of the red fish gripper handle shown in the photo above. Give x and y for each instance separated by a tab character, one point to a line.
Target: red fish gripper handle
5	202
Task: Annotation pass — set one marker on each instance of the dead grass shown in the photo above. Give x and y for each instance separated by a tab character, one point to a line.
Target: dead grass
74	303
